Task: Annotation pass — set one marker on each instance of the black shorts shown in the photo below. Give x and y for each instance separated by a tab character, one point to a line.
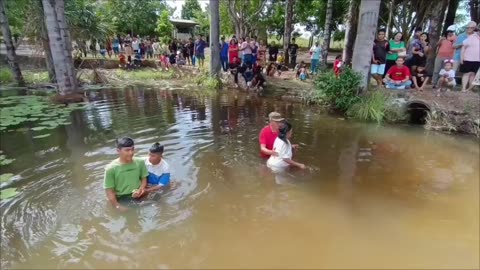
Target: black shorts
469	66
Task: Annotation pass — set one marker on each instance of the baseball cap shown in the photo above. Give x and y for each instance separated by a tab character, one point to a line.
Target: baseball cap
275	116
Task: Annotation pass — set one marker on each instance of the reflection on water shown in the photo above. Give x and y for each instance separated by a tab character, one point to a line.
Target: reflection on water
373	196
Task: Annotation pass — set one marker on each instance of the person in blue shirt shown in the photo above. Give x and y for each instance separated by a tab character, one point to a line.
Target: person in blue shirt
224	54
200	45
158	170
458	50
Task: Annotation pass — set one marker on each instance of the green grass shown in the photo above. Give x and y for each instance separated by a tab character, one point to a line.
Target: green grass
6	76
144	75
370	107
31	77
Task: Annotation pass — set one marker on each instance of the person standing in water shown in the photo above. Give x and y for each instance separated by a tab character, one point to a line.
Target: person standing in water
284	148
268	135
158	170
126	176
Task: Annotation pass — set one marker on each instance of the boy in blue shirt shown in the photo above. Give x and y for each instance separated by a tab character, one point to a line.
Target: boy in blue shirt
200	45
224	54
158	170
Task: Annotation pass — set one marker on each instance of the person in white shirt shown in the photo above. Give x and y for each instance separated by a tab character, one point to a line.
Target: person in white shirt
447	75
135	45
158	170
283	147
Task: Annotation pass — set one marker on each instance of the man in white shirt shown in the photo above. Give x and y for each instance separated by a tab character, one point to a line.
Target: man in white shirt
135	45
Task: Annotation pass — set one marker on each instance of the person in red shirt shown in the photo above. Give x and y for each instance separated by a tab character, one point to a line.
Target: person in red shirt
337	65
398	76
268	135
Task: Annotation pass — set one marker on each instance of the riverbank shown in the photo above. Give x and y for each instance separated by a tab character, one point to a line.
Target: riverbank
452	112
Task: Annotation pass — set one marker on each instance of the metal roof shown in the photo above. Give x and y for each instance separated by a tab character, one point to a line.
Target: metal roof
183	22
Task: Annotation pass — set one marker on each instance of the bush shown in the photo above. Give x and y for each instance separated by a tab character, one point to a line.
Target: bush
377	106
36	77
6	75
340	92
208	82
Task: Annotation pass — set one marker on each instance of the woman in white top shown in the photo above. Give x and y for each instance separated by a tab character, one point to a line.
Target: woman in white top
283	148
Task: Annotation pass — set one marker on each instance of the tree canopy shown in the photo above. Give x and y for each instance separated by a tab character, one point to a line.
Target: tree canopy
190	8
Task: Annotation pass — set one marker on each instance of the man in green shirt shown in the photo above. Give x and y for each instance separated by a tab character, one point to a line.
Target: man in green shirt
125	176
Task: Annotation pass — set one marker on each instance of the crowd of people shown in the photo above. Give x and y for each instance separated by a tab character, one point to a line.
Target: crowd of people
129	180
132	50
397	65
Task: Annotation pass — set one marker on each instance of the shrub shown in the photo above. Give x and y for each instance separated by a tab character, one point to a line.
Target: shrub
6	75
208	82
340	92
377	106
370	107
36	77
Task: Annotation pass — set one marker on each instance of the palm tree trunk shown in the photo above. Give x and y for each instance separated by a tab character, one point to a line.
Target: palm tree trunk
327	31
45	44
59	41
7	37
452	11
214	38
436	19
350	31
288	29
367	27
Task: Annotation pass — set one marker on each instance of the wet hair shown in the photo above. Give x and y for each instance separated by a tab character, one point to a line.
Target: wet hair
156	148
283	131
124	142
381	31
338	57
418	29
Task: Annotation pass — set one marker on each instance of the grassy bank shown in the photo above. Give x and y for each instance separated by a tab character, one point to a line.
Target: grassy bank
31	77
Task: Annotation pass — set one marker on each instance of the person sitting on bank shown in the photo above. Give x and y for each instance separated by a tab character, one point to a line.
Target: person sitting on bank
268	135
398	76
158	170
126	176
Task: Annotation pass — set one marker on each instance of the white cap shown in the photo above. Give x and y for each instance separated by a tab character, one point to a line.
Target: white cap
452	27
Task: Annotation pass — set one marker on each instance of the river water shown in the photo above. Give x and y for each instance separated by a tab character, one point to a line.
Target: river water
373	197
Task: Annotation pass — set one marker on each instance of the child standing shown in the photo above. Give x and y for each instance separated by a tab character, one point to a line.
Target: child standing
283	147
337	65
158	170
447	76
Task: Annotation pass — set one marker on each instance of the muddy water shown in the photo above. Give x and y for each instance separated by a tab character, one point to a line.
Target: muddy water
373	197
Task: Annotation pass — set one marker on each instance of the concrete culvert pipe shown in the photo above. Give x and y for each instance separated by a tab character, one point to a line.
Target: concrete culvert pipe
417	111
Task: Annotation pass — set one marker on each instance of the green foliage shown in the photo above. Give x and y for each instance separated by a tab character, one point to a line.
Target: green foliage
208	82
203	20
86	21
164	26
139	17
8	193
189	9
340	92
370	107
226	23
6	75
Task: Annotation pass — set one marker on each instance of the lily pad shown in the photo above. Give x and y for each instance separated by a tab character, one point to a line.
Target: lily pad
5	161
5	177
38	128
42	136
8	193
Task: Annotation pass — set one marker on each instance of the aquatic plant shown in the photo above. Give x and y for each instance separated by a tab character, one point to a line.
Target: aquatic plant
370	107
5	177
8	193
37	111
5	161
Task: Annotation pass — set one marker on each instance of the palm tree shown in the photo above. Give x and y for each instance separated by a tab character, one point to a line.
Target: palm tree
7	37
214	37
327	31
367	27
60	45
